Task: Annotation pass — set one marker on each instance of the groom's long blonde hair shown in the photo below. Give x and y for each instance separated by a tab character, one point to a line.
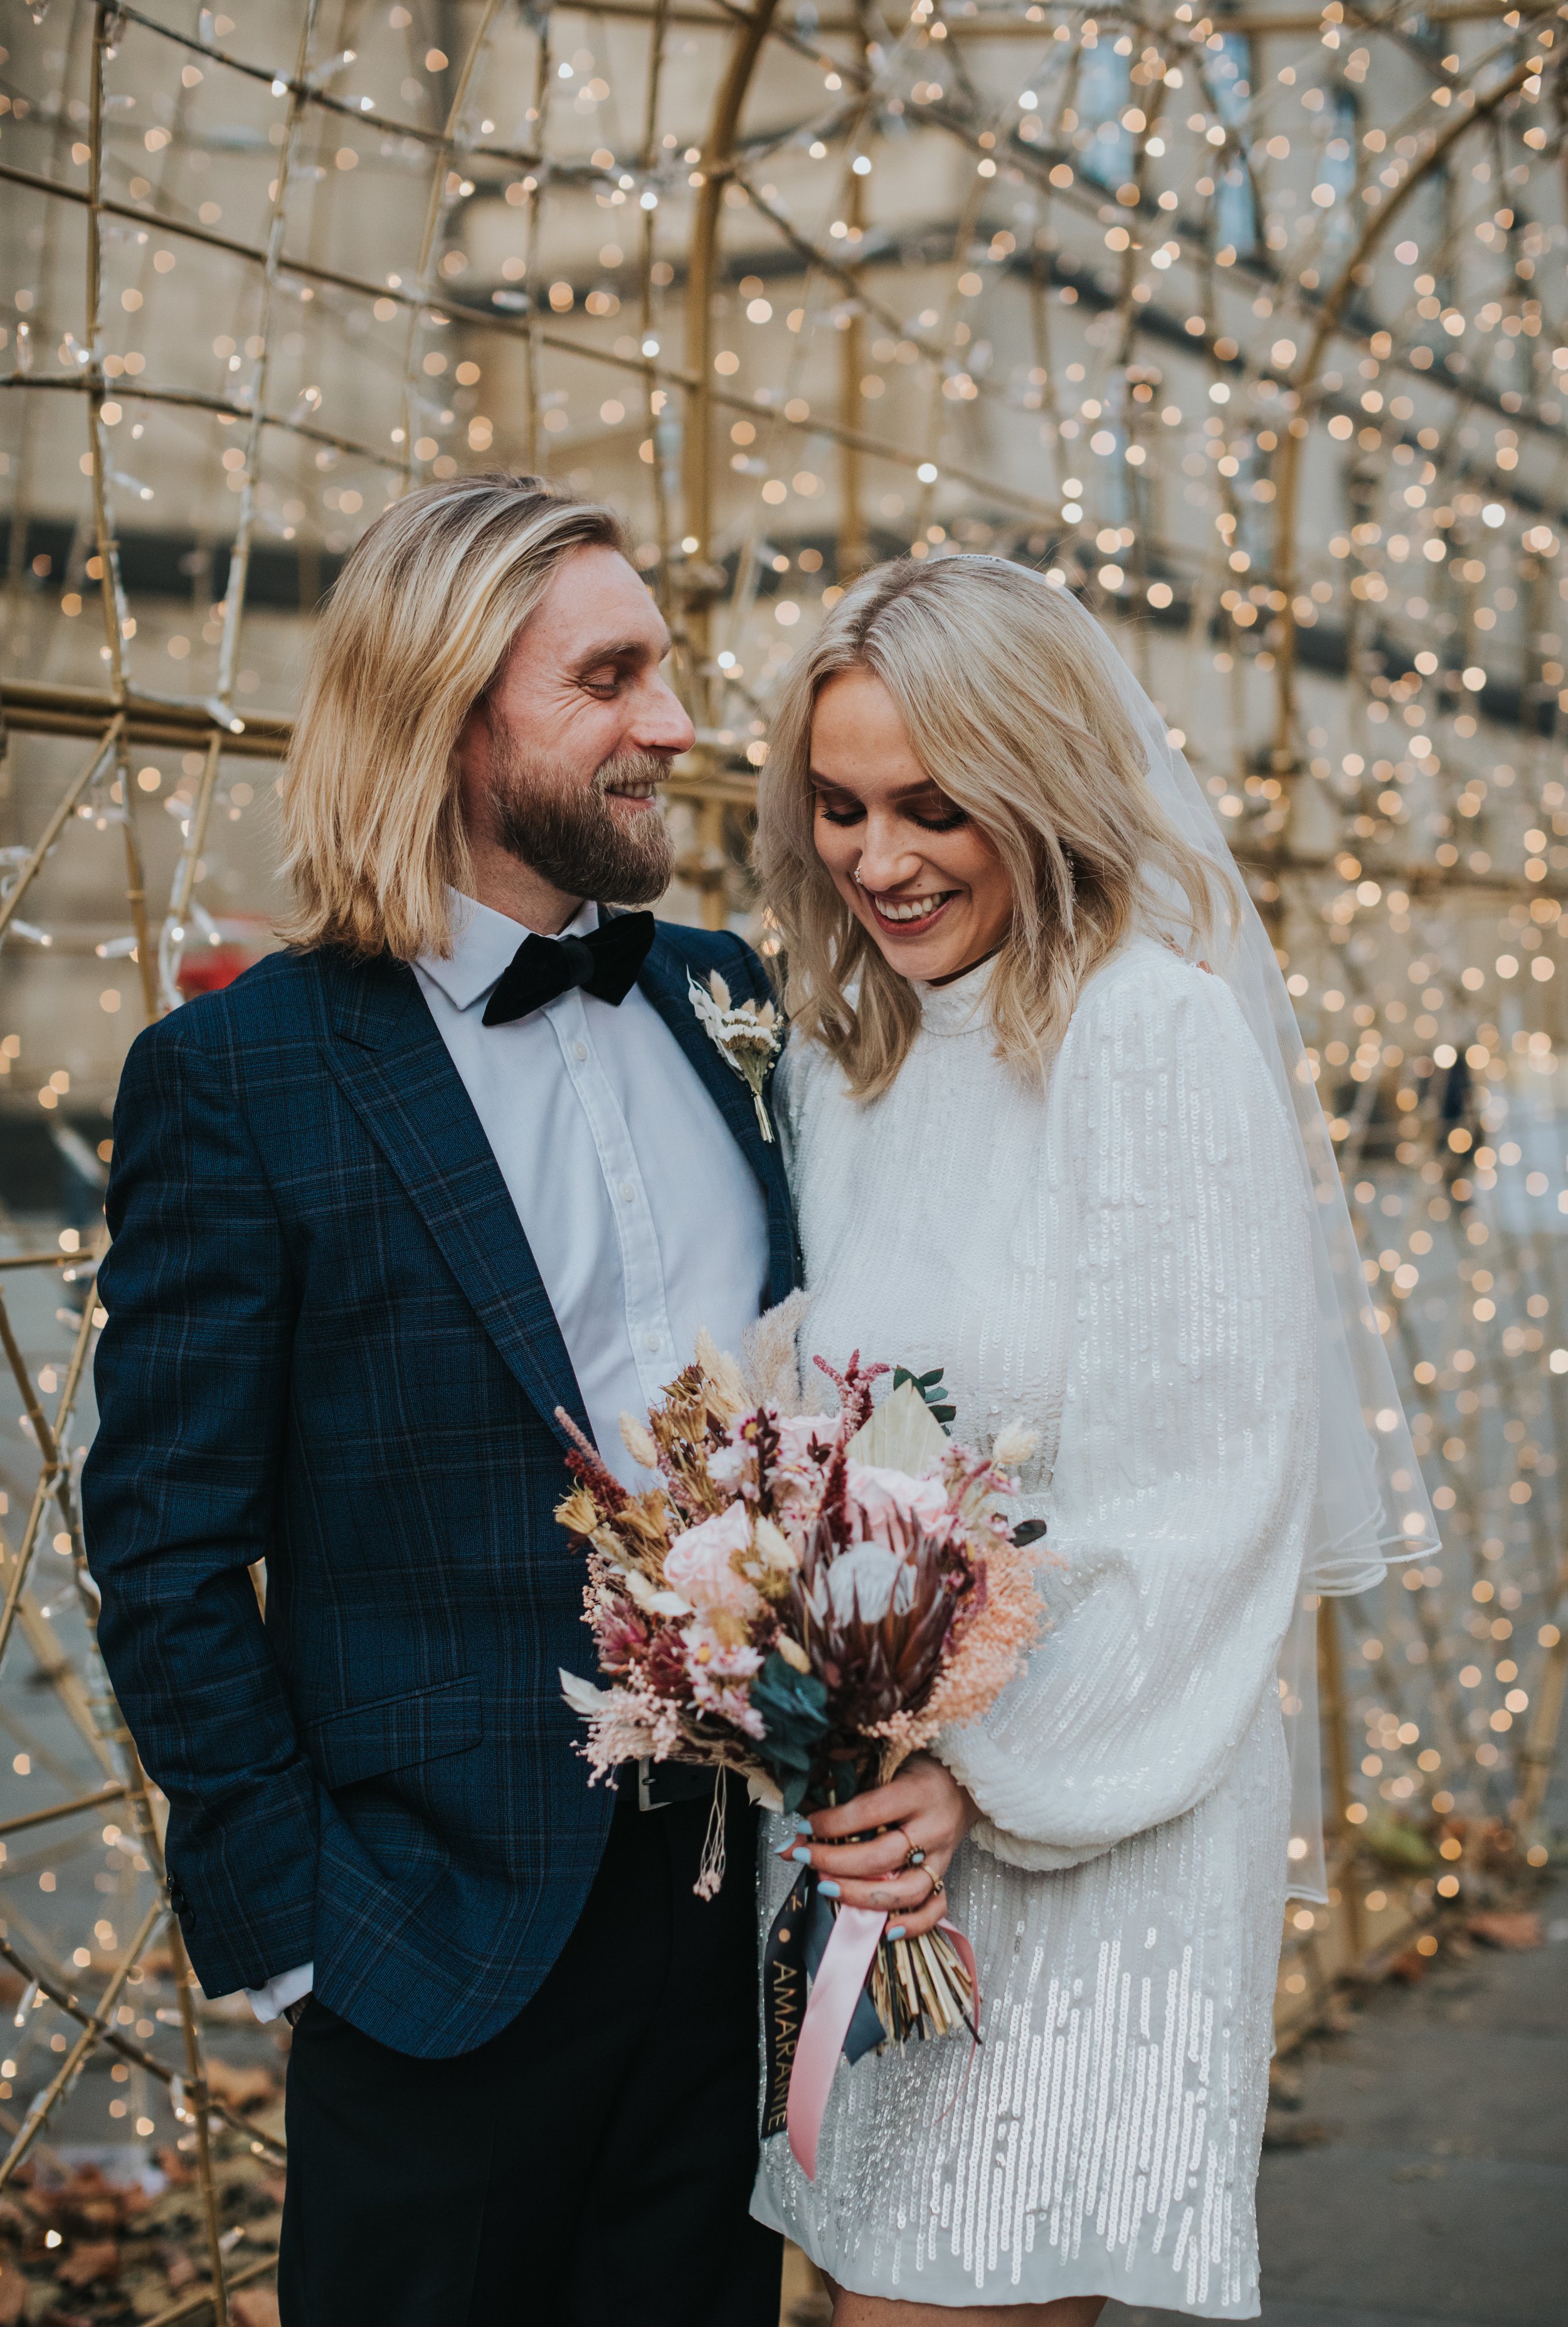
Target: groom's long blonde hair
1010	697
418	626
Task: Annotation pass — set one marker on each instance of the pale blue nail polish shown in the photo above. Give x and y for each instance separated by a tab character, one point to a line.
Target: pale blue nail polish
828	1890
801	1857
896	1933
803	1825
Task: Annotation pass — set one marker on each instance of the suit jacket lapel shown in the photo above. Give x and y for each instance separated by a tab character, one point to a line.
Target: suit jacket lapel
386	1053
663	979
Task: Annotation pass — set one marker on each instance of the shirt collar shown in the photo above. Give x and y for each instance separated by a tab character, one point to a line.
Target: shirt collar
483	943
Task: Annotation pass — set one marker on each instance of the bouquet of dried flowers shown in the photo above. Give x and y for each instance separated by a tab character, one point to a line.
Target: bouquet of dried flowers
806	1600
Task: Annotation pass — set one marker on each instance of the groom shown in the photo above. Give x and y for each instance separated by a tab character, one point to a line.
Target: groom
379	1210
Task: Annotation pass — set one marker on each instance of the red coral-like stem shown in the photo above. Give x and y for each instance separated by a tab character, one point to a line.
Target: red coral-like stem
586	1462
854	1387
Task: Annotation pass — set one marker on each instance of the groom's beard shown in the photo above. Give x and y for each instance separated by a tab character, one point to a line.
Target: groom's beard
572	838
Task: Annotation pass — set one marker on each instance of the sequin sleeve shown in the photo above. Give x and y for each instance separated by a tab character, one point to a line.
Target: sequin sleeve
1179	1494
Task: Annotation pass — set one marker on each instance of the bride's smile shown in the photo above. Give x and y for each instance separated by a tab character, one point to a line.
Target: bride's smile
917	872
909	916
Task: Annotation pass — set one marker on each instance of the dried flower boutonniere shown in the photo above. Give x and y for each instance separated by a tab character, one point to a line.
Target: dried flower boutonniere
747	1038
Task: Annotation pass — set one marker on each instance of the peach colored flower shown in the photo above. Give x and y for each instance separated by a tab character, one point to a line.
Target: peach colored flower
890	1506
700	1564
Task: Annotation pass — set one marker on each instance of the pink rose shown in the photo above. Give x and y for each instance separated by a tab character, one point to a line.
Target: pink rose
700	1564
799	1433
887	1506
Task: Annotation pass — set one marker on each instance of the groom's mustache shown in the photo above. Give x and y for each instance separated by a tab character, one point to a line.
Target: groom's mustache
635	774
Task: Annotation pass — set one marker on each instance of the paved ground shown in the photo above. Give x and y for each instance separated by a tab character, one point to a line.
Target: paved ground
1426	2184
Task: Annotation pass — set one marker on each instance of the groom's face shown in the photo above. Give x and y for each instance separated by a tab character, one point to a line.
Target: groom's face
562	759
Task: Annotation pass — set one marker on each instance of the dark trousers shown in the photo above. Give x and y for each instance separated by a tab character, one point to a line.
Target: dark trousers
591	2166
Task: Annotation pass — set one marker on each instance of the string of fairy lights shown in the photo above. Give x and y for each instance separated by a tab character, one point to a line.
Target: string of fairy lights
1249	325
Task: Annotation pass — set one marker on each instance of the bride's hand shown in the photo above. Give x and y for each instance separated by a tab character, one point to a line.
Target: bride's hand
925	1809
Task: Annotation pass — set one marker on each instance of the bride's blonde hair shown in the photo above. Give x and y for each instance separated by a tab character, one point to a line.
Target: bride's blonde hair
1009	695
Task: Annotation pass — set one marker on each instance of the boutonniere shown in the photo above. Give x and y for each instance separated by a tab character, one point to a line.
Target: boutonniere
747	1038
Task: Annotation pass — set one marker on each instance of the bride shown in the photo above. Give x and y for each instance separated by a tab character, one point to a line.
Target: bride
1036	1140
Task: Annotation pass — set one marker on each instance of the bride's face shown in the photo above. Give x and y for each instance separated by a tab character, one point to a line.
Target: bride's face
926	882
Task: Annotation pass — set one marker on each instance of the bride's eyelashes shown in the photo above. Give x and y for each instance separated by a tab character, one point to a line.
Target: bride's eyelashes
946	818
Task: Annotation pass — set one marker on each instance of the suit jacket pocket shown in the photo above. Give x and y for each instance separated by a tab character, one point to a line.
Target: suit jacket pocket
394	1733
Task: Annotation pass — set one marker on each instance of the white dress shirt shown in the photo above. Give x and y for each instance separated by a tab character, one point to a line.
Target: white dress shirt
644	1218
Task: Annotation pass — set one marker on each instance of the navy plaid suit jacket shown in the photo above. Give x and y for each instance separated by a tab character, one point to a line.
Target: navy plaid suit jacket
329	1346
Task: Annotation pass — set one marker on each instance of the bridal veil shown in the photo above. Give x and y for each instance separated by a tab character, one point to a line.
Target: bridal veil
1371	1506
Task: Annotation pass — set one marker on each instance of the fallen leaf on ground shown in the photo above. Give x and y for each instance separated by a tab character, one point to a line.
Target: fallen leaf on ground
90	2263
1499	1928
178	2268
253	2306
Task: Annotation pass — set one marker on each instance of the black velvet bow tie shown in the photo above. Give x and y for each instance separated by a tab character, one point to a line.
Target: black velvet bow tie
605	963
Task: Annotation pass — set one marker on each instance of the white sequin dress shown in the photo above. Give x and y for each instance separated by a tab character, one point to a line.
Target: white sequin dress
1121	1260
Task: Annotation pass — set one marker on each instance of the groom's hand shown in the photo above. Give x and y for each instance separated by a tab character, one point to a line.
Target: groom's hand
898	1872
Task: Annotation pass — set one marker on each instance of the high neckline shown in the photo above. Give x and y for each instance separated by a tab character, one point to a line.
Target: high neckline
958	1007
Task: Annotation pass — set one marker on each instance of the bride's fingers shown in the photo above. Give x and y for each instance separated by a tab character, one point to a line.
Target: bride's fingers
910	1891
873	1853
901	1897
928	1914
884	1853
890	1804
878	1854
921	1920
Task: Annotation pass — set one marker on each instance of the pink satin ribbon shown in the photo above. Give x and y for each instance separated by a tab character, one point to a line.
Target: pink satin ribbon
834	1991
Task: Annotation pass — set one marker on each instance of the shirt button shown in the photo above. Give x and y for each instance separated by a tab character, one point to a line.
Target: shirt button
627	1193
651	1340
579	1049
